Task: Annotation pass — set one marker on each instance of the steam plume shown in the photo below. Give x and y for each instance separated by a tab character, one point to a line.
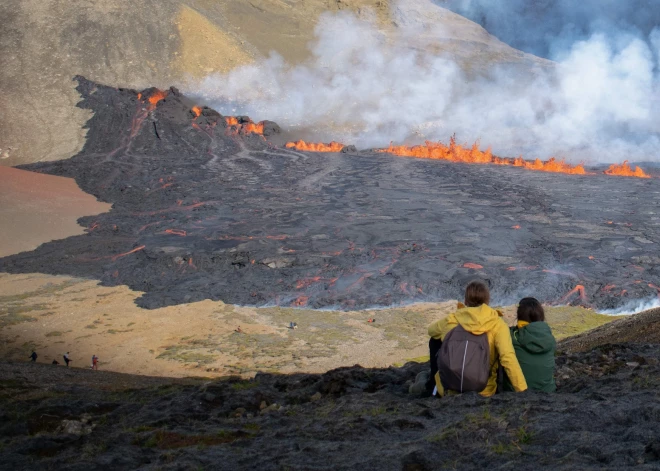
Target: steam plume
599	103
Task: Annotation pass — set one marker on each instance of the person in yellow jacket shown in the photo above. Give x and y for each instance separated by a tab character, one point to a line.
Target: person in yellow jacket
477	317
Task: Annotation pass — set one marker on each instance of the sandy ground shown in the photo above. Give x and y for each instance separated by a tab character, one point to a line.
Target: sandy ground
36	208
55	314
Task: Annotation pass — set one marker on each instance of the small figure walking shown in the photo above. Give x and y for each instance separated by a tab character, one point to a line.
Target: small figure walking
95	362
33	357
67	359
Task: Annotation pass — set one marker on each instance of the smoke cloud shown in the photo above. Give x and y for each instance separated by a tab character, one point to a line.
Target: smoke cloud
598	103
549	28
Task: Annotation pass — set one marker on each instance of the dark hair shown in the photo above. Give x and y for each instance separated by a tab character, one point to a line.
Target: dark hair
476	294
530	310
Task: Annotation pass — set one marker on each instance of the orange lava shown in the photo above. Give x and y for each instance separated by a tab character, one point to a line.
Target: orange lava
579	289
157	96
458	153
178	232
515	227
476	266
249	127
315	146
197	111
137	249
301	301
257	128
624	170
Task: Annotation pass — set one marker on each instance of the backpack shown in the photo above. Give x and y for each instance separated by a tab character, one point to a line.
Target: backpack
464	361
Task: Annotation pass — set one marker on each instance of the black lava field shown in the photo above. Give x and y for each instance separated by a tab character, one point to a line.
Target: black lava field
202	209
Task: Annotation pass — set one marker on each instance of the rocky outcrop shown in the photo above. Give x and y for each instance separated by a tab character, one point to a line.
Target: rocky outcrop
603	415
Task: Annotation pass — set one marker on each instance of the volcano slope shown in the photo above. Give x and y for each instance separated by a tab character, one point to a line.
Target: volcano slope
203	210
604	415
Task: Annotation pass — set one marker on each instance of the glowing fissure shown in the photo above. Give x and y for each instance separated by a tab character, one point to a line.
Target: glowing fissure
624	170
315	146
457	153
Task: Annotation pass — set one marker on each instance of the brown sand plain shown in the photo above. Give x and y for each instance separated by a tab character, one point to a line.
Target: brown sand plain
36	208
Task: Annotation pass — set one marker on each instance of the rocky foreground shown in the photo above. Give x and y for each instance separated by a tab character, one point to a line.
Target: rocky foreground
605	414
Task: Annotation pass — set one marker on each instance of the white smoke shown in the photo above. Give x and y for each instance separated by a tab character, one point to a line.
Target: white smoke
600	103
633	307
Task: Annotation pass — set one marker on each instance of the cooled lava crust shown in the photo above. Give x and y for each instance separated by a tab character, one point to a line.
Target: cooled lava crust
202	209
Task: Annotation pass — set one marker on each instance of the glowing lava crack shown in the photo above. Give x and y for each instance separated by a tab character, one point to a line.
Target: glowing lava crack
211	206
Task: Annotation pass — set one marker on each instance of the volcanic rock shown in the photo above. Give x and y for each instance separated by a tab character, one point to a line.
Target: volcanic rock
603	415
202	212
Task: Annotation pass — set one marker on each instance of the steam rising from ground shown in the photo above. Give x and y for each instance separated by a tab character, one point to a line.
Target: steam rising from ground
600	103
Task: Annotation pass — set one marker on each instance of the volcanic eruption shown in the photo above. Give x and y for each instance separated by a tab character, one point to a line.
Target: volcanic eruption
204	207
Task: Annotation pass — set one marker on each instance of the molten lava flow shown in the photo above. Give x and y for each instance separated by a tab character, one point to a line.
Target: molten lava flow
178	232
137	249
474	266
300	301
315	146
257	128
246	128
197	111
624	170
579	289
552	165
457	153
157	96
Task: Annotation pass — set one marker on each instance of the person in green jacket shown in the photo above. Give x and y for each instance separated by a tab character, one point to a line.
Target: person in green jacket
535	347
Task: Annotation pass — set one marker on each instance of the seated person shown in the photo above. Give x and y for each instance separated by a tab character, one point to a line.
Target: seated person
475	318
535	347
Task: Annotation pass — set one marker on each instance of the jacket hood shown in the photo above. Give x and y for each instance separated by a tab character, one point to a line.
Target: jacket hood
535	337
477	320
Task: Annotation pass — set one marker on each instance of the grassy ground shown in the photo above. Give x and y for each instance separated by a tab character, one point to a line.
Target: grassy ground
58	314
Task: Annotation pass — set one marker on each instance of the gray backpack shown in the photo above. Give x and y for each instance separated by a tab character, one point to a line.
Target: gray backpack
464	361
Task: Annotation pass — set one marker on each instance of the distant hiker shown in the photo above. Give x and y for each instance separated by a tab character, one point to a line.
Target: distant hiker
468	346
293	325
95	362
371	320
535	347
67	359
33	357
55	362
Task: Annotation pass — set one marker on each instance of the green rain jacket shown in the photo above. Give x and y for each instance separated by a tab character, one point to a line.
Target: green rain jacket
535	347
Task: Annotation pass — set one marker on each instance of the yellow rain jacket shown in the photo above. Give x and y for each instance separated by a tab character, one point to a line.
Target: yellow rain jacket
479	320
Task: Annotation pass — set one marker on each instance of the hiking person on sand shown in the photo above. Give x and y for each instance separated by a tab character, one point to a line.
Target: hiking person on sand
467	348
535	347
33	356
95	362
67	359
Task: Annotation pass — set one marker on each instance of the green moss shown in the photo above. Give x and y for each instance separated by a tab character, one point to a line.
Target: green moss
566	321
184	355
243	385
